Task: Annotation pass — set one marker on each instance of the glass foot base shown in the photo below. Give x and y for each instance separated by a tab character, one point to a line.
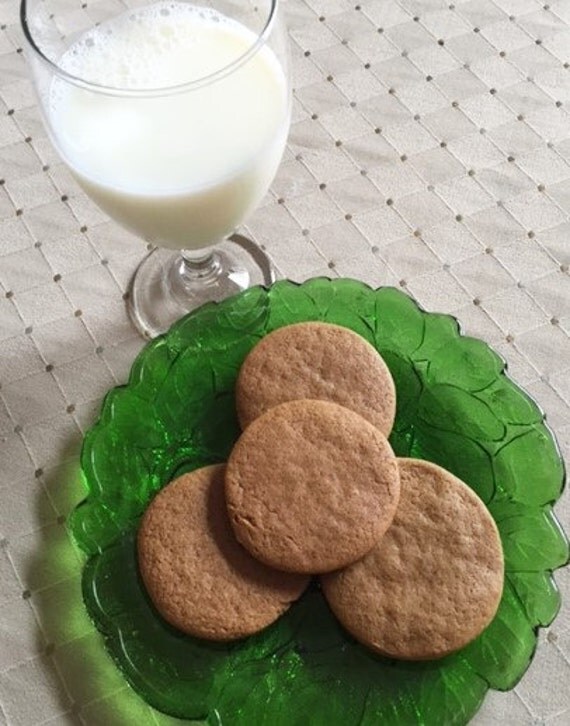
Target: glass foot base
168	283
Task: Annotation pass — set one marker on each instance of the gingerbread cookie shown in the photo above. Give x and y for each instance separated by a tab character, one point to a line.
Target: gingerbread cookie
311	486
317	361
434	581
197	575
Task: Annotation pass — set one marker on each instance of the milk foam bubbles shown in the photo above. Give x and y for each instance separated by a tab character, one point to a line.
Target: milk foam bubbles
180	168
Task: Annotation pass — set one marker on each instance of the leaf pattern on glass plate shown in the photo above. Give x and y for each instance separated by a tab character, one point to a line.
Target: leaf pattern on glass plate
455	407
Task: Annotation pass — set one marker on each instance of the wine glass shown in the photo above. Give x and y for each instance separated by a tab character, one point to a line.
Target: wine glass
173	117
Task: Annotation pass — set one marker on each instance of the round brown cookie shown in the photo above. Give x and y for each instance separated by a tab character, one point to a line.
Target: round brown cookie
435	580
198	576
317	361
311	486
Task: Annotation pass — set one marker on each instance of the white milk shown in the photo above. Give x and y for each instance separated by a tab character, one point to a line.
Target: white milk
183	168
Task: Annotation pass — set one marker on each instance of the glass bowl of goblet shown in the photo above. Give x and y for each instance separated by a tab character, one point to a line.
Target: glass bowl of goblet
173	118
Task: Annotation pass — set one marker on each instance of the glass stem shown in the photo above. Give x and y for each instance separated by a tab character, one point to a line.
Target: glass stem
194	268
199	265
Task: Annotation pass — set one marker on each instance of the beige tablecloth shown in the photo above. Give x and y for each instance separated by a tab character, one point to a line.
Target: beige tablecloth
430	150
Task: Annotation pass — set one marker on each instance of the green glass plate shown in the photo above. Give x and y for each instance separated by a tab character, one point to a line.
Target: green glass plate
456	407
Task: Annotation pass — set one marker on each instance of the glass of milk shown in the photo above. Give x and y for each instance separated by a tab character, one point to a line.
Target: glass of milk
173	117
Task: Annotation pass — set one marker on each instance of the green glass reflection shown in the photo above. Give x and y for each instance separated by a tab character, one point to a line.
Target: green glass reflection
455	407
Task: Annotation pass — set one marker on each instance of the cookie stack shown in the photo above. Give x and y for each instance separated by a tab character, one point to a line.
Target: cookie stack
409	558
